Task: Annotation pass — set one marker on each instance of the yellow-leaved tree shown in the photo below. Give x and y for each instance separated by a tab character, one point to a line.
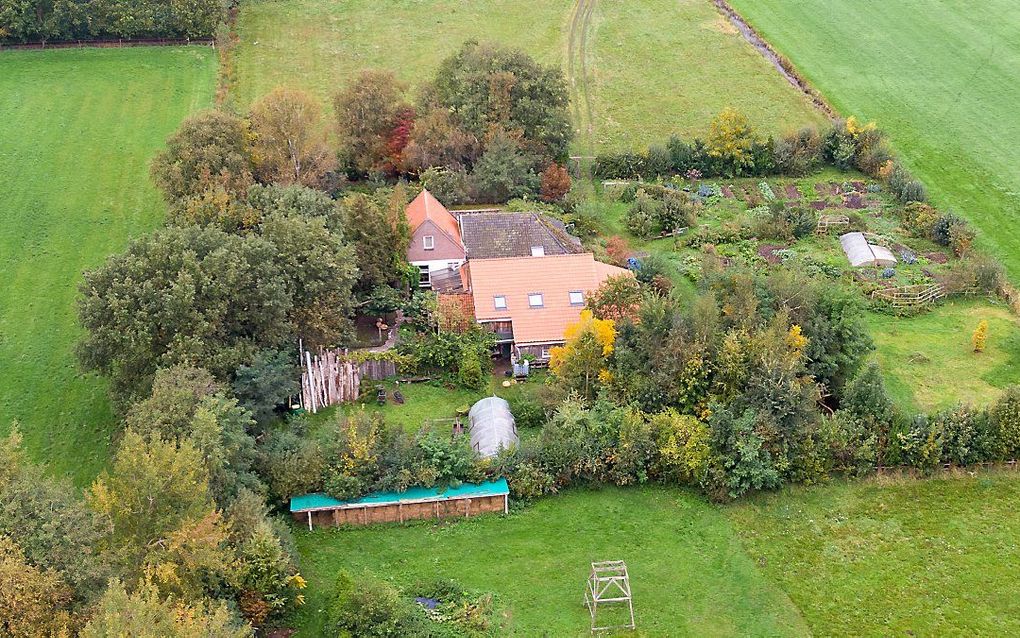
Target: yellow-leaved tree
731	140
581	364
980	336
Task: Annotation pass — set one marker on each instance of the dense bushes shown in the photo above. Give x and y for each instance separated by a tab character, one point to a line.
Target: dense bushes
366	606
733	148
59	20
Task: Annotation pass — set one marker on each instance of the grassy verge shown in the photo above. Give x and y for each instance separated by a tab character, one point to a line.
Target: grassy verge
940	78
689	574
928	361
864	559
78	129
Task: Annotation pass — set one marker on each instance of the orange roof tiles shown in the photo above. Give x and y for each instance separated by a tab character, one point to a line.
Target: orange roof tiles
426	207
552	276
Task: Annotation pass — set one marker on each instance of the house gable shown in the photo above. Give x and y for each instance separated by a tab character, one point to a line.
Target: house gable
444	247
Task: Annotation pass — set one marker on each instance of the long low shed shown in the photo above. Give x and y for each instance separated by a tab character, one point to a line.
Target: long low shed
468	499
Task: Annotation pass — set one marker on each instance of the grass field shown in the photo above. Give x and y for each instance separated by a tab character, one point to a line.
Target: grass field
317	45
939	77
690	575
929	362
858	559
864	559
78	129
638	71
663	66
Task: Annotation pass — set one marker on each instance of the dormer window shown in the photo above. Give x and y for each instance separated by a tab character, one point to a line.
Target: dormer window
538	251
576	298
428	242
535	300
499	301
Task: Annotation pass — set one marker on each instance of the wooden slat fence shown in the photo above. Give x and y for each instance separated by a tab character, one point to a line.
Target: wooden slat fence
331	377
911	296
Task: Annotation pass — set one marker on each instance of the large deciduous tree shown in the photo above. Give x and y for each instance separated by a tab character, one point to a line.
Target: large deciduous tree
199	295
182	295
492	89
209	152
290	144
146	614
33	601
154	488
369	112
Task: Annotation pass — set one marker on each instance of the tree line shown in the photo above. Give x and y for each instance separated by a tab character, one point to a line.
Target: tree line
61	20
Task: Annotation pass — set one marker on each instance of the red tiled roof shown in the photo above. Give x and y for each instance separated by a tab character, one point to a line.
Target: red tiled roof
426	206
554	276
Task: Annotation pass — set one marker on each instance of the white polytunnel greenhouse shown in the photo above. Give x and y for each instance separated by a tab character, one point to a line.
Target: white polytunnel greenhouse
491	427
860	252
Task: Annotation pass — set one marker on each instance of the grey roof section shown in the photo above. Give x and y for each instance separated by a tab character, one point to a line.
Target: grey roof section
502	234
491	427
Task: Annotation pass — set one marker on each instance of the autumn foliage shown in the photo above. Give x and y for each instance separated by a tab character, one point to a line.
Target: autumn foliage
555	183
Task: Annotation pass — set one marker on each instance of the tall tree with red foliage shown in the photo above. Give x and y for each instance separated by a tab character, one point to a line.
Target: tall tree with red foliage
555	183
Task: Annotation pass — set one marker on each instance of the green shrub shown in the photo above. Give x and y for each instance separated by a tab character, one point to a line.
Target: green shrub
657	161
941	232
798	153
850	442
1004	417
470	372
528	413
369	607
742	463
964	435
921	444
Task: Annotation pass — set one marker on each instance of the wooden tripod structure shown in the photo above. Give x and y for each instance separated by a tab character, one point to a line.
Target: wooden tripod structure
608	583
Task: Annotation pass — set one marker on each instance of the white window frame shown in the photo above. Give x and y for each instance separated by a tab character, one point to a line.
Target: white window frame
579	293
545	353
495	302
531	300
428	242
424	277
538	251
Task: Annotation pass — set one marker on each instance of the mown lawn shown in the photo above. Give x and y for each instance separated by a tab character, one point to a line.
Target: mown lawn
879	557
940	77
898	557
428	401
78	128
650	68
928	361
689	573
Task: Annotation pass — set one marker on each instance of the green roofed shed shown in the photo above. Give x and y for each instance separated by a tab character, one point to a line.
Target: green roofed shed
414	503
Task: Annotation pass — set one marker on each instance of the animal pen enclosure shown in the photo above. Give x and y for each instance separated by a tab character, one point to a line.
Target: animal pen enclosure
466	500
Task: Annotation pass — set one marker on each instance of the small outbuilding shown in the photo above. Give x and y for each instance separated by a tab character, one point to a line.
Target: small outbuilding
465	500
860	252
491	427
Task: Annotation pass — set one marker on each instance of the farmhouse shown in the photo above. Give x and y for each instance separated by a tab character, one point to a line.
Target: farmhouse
497	235
436	247
529	301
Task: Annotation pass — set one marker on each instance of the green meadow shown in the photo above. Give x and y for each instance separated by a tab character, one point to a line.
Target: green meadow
78	130
637	71
940	77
